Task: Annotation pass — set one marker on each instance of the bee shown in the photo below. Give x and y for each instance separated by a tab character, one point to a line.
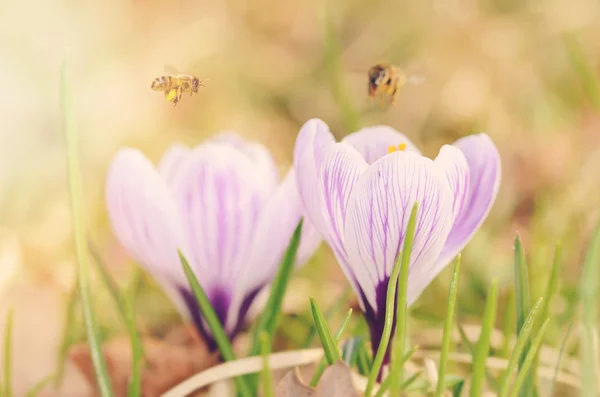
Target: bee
174	85
386	81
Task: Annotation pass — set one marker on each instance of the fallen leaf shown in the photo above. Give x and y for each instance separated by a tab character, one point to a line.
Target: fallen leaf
292	385
337	382
167	362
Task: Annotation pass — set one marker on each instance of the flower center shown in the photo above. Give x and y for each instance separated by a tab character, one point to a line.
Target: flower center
401	147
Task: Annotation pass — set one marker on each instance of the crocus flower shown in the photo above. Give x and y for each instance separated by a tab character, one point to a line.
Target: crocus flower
359	194
223	205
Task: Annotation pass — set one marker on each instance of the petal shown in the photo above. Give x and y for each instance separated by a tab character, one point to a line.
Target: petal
313	141
378	212
483	160
256	151
144	216
171	160
221	194
453	163
272	236
373	142
340	169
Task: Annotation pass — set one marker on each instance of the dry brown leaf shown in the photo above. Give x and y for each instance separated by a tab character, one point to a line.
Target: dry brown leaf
292	385
168	361
337	382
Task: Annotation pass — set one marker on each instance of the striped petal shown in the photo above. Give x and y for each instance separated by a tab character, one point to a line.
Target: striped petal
313	141
378	213
484	166
340	169
144	216
221	195
453	165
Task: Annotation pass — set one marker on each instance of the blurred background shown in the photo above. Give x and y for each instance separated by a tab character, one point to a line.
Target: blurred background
523	71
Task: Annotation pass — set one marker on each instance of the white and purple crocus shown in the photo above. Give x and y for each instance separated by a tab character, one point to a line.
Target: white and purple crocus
223	205
359	194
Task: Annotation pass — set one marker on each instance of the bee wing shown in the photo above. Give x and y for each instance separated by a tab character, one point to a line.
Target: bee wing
416	79
171	70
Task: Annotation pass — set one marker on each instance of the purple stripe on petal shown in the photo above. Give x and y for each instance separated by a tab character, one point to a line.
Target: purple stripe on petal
453	163
340	169
144	216
483	161
373	142
221	194
378	212
313	141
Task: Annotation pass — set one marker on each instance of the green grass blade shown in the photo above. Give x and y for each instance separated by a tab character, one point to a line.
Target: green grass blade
584	70
214	324
385	385
588	293
399	343
363	360
267	377
559	360
81	249
522	308
551	287
337	305
448	327
524	370
41	385
519	346
268	319
483	345
66	336
329	346
125	306
465	340
8	329
389	309
323	363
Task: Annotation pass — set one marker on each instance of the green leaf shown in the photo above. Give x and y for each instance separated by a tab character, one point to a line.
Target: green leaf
389	308
524	370
329	346
522	308
337	305
363	359
397	366
266	371
588	293
483	345
214	324
559	360
448	327
584	70
522	339
385	385
465	340
268	319
323	363
551	287
81	249
126	310
350	352
8	354
39	386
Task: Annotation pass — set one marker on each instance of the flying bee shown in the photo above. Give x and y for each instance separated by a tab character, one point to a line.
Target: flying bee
174	85
386	81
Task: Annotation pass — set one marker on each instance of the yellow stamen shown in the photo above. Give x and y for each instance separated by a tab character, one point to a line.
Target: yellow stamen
401	147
